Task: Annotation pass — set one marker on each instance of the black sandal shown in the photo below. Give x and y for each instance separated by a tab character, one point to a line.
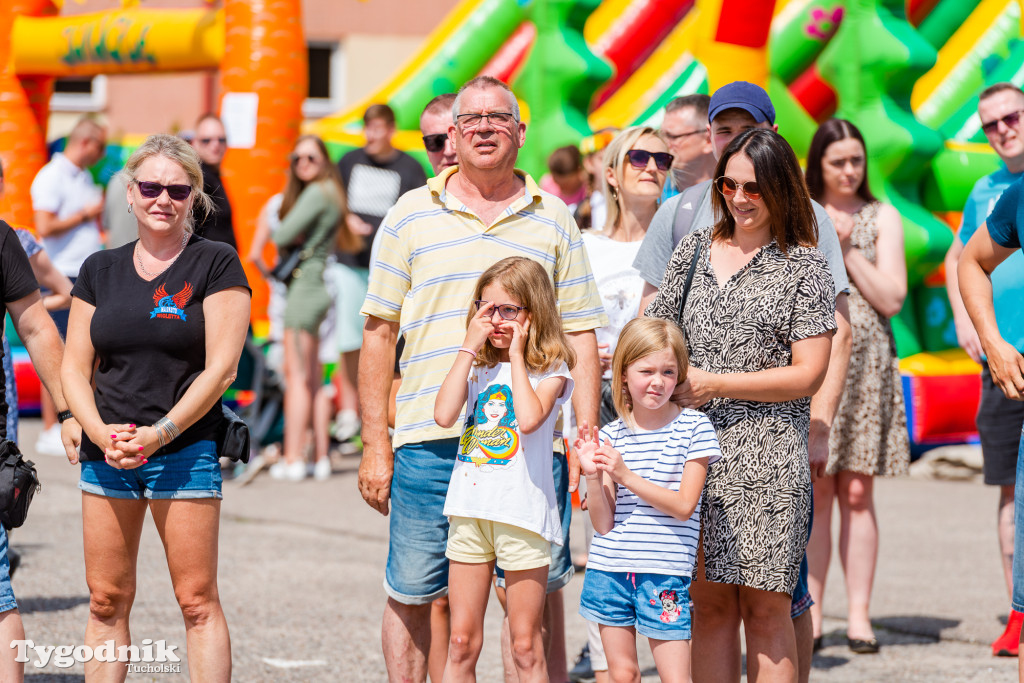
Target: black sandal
863	647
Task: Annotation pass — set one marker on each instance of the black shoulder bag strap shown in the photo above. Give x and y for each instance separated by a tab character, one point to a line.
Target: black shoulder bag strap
689	281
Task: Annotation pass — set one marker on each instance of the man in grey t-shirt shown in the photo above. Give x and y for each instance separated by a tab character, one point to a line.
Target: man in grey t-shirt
735	108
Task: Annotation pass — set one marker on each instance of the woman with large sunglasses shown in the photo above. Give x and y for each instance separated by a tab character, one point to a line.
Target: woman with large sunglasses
758	317
869	435
312	217
154	337
633	171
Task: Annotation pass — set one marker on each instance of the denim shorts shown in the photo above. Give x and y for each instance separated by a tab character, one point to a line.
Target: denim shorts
7	601
192	472
1018	532
560	571
417	569
657	605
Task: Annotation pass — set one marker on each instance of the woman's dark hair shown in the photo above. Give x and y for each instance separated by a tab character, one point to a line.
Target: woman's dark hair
831	131
782	186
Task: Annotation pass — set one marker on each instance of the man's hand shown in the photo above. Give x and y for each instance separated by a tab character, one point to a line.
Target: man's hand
376	468
1007	367
817	450
967	338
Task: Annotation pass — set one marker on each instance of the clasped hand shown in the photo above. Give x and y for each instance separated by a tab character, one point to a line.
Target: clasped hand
127	446
596	457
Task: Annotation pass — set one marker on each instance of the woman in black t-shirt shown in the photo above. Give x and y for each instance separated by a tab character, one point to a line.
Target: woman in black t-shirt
165	317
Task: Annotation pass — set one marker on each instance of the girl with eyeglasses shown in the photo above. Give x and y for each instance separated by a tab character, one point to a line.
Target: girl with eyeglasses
758	317
312	216
869	433
154	336
512	375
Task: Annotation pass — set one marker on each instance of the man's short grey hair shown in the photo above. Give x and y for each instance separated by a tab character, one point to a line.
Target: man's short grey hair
699	103
480	83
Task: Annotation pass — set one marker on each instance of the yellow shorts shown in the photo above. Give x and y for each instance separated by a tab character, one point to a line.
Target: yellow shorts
481	540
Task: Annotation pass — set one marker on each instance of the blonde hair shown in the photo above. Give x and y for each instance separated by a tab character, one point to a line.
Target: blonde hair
640	338
180	152
528	282
615	159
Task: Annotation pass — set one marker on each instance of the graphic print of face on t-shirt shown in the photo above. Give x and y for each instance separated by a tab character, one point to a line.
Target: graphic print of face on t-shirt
491	436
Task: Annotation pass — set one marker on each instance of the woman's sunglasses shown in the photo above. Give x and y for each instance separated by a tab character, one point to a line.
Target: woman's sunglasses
506	311
152	190
435	143
638	159
309	158
727	186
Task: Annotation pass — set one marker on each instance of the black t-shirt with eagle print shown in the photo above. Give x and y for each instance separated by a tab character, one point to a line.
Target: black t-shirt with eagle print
150	337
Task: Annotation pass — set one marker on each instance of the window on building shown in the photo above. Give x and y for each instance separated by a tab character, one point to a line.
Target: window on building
326	79
79	94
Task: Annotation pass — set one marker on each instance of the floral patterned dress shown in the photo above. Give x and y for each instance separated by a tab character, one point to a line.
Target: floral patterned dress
757	498
869	434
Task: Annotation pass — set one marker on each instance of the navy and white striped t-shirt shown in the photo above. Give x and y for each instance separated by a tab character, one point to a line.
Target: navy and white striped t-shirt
644	539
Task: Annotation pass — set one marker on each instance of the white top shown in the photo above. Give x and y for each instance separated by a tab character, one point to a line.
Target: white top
64	189
618	282
501	474
644	539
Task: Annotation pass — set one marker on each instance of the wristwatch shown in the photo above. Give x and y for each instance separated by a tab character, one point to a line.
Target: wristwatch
64	415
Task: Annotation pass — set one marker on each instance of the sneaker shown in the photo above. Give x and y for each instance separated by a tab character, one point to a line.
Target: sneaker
1007	644
284	471
49	442
346	425
322	469
582	670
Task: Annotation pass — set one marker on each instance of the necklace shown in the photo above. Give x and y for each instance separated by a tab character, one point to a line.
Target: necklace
142	267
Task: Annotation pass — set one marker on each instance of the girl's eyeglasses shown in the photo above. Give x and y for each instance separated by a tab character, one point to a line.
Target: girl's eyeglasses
153	190
506	311
727	186
638	159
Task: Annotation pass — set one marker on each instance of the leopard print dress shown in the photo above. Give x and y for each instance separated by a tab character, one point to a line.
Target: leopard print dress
757	498
869	434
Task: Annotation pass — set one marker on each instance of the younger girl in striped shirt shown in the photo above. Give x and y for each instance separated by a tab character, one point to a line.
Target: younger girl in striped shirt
645	473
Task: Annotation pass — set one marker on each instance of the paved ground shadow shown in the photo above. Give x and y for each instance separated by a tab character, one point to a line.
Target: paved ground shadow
54	604
54	678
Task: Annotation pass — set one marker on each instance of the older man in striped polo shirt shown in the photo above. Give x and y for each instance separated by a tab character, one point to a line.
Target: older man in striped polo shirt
437	241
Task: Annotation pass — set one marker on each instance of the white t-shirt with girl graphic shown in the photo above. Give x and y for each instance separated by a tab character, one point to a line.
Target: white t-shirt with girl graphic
501	474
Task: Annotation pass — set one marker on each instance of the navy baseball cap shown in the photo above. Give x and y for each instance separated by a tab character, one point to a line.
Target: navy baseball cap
742	95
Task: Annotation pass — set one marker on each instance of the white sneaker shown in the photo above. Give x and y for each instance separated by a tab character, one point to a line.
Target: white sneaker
322	469
277	470
49	442
295	471
346	425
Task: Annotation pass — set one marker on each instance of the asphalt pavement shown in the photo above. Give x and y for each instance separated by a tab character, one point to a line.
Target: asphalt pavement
301	566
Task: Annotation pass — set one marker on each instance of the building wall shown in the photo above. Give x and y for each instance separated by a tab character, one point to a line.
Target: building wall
373	37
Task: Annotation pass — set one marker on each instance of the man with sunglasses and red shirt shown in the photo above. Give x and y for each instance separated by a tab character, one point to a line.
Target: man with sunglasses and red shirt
999	420
735	108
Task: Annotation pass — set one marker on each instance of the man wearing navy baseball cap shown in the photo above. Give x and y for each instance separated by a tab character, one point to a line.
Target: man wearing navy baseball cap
735	108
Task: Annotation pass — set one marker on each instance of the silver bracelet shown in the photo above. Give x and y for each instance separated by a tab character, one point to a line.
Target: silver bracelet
166	431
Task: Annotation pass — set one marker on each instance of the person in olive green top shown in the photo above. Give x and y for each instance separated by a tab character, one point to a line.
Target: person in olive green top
312	220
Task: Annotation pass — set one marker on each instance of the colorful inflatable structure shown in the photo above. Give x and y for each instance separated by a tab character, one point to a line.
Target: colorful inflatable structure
906	71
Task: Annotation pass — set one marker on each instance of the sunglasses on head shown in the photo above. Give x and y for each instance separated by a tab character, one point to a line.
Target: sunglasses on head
153	190
638	158
506	311
727	186
1011	120
435	143
296	158
206	141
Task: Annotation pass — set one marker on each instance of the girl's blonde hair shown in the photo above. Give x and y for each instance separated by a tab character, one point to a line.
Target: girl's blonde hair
615	159
526	280
177	150
639	338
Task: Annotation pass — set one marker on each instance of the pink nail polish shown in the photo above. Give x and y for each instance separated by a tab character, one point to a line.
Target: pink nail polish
145	462
142	448
132	426
113	436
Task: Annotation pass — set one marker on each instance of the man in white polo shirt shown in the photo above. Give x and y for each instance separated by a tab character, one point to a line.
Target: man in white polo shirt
67	203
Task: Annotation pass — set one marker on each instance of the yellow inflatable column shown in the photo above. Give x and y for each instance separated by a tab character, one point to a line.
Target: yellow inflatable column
22	118
732	40
265	57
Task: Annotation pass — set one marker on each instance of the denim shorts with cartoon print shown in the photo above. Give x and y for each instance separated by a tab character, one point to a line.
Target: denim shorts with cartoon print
656	605
192	472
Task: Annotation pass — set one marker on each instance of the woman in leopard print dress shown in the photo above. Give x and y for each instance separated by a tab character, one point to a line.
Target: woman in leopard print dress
869	435
759	319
